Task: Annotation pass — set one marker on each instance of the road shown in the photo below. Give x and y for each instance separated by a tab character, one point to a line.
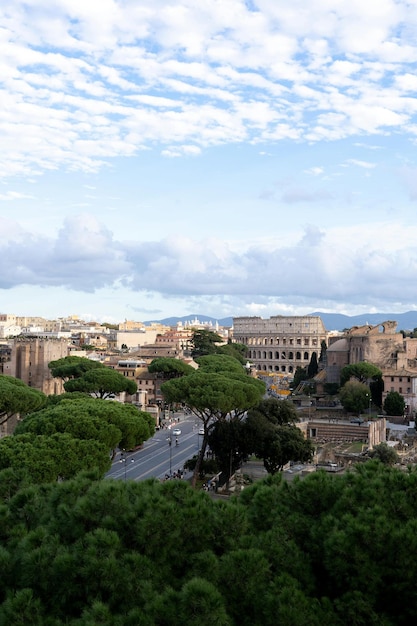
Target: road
156	458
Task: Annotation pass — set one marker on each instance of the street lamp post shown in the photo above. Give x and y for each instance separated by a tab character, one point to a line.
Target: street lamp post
170	454
368	395
124	460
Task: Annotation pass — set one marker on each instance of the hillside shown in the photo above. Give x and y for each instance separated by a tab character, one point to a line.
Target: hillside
332	321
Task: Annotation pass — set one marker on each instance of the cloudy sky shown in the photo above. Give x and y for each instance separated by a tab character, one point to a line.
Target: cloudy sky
218	157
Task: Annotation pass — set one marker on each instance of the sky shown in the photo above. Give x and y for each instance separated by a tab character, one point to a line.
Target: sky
216	157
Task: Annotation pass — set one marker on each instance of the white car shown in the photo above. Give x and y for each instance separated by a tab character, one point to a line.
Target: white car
176	432
201	431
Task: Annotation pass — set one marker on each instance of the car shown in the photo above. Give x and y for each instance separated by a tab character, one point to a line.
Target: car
356	420
201	431
176	432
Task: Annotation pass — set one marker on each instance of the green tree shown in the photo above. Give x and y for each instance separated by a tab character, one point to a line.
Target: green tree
213	397
278	412
169	367
72	367
354	396
384	453
323	354
313	366
394	403
282	445
51	458
102	383
236	350
220	363
324	550
229	444
112	423
16	398
363	372
300	375
204	342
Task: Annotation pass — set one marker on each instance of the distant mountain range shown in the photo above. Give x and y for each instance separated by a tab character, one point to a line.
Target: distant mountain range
336	321
331	321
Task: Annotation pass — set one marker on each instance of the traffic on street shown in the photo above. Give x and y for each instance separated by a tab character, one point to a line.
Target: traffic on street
163	455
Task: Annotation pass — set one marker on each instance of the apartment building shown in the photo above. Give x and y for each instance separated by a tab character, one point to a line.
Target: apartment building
404	382
280	343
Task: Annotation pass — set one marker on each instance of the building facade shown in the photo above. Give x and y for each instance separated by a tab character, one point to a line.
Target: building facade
280	343
29	362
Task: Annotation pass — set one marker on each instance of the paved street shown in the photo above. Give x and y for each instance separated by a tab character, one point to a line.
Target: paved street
156	457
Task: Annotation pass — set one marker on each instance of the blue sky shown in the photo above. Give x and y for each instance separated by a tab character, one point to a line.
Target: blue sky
218	157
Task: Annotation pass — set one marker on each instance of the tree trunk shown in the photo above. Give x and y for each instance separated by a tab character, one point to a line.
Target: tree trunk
200	459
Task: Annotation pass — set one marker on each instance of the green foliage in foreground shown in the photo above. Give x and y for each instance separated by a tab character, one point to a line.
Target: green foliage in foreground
112	423
18	398
322	551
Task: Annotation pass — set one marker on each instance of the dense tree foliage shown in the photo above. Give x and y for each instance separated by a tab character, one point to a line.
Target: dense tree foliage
322	551
323	353
213	396
284	444
72	367
384	453
300	375
269	433
112	423
16	398
394	403
355	396
236	350
230	444
278	412
363	372
220	363
169	367
313	366
205	342
56	457
102	382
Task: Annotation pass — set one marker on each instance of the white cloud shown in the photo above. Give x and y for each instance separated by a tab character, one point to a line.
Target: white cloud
100	92
332	264
15	195
228	74
365	164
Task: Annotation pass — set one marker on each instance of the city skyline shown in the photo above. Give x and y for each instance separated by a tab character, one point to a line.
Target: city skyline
228	158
